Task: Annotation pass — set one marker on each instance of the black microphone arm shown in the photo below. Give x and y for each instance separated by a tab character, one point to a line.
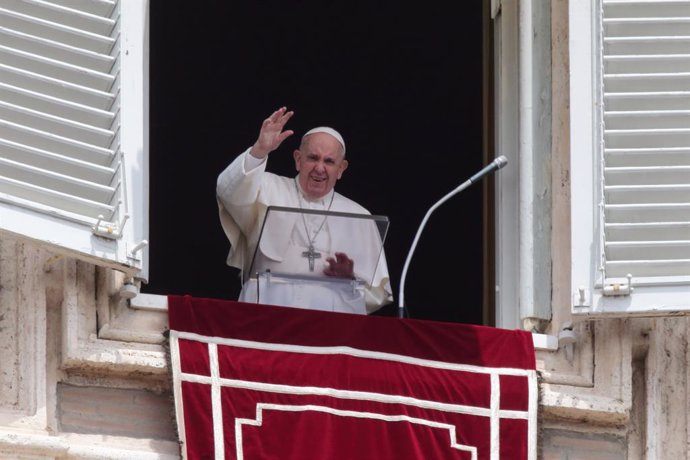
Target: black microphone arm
498	163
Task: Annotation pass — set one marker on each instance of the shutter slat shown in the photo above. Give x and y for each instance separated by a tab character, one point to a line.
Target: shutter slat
675	100
60	16
647	82
661	63
655	119
646	8
55	199
102	8
33	44
59	144
60	107
649	250
647	194
647	94
649	268
629	231
647	138
646	212
651	132
632	22
62	127
71	8
647	157
643	46
647	28
55	162
641	175
58	89
58	69
52	180
62	33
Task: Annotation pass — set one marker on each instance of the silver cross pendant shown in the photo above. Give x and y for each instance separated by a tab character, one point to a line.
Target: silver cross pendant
311	254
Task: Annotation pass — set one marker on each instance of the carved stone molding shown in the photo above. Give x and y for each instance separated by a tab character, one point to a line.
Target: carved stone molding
555	368
88	295
117	321
607	398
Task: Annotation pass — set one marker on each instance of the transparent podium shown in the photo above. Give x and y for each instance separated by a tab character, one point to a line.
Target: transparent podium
296	246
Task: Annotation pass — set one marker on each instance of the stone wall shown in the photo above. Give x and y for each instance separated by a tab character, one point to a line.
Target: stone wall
82	375
626	386
115	412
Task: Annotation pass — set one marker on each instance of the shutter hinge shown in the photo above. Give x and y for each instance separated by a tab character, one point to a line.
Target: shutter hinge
110	230
618	289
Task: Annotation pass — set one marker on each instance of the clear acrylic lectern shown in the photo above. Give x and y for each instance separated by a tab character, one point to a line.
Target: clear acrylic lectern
293	250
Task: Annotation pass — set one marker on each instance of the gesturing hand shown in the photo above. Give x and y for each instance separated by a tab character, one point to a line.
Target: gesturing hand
271	134
341	266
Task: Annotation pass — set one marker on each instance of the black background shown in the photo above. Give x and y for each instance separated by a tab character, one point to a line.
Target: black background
402	83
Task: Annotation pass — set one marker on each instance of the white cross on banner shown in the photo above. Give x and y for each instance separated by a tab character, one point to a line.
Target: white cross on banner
263	382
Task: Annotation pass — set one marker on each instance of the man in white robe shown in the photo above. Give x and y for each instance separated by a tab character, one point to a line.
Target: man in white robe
245	191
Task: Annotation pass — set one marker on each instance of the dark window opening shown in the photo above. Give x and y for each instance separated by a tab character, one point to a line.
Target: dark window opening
402	83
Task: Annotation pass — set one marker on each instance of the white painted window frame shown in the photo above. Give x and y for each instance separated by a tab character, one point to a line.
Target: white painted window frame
505	19
585	168
523	258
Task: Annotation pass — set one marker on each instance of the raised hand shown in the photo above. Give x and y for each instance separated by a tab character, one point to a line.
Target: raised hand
340	266
271	134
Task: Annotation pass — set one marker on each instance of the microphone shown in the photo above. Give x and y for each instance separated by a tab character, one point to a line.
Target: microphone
497	164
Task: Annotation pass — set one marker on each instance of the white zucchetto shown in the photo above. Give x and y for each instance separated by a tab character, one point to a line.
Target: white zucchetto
327	130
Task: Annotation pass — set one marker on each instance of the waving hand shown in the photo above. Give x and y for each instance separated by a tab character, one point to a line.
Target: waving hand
271	134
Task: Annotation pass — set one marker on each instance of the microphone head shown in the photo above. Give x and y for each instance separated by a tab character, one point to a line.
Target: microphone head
500	162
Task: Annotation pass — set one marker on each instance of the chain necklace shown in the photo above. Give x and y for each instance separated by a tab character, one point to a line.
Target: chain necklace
311	254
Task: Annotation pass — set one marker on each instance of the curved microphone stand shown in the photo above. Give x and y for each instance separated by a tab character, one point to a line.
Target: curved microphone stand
498	163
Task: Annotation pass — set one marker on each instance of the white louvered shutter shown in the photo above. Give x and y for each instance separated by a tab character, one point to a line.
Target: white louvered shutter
641	159
73	121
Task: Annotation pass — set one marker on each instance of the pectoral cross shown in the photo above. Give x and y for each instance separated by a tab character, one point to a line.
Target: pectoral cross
311	254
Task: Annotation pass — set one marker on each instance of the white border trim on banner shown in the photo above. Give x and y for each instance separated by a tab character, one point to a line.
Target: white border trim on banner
494	412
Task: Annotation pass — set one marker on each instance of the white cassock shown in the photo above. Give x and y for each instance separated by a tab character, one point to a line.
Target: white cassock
244	192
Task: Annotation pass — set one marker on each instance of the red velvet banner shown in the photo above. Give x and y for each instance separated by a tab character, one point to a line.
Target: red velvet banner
263	382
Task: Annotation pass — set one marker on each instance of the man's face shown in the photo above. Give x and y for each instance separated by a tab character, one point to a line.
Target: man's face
320	163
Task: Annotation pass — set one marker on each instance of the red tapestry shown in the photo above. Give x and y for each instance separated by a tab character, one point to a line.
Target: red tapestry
263	382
